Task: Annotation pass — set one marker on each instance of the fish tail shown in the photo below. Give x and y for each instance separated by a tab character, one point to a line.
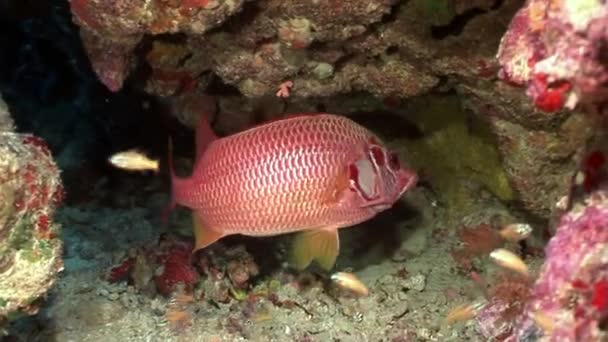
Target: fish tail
172	202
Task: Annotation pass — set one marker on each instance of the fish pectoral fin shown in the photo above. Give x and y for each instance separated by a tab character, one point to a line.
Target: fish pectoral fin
203	236
320	245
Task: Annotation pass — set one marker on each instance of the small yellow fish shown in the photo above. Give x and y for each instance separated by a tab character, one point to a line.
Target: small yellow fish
516	232
350	282
543	321
464	312
509	260
133	160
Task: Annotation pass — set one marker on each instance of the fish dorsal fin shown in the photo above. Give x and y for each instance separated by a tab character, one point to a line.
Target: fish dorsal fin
202	234
291	116
320	245
204	135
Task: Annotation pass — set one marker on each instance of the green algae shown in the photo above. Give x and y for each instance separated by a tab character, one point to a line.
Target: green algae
454	151
437	12
21	235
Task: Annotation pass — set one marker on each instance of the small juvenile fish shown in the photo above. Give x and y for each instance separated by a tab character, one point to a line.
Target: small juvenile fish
133	160
464	312
350	282
516	232
543	321
509	260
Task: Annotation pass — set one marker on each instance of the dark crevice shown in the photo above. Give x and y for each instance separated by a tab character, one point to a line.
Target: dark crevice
243	19
182	62
456	26
386	19
497	4
342	61
218	87
458	23
391	50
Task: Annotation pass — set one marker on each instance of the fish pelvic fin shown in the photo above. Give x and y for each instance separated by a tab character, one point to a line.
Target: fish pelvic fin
203	236
320	245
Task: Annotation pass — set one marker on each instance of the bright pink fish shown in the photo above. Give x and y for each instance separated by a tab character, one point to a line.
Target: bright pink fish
312	173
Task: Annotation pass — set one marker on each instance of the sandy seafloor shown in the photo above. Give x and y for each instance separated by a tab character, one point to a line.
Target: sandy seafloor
403	256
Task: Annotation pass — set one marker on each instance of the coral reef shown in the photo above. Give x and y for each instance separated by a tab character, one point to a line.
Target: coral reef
569	299
382	47
387	49
555	50
30	249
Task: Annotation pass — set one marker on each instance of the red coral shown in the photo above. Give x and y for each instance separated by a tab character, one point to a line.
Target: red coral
548	96
194	3
600	296
592	168
38	142
476	241
175	269
43	222
122	271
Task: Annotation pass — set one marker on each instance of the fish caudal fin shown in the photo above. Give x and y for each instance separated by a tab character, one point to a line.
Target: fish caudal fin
172	203
203	236
320	245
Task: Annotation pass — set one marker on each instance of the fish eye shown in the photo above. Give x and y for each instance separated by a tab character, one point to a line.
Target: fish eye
393	162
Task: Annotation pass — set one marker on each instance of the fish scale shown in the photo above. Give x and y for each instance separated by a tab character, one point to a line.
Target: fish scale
285	176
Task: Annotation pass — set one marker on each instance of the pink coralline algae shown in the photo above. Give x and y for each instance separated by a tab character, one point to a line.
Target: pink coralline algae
555	49
569	300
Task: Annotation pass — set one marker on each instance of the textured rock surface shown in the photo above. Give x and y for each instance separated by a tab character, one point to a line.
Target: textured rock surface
6	122
555	50
384	47
30	250
390	50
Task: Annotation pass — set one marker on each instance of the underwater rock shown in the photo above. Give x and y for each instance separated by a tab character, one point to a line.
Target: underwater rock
111	30
555	49
383	47
540	162
30	250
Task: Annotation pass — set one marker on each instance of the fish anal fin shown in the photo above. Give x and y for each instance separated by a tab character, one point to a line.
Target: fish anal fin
320	245
203	236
